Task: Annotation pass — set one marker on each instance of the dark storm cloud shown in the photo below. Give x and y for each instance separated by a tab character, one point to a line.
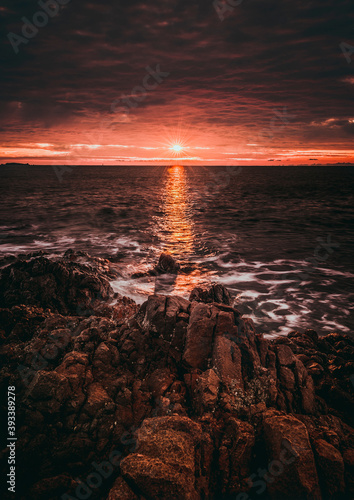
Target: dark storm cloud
263	56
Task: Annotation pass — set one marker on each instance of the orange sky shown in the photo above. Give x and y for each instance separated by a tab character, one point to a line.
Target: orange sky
123	82
124	143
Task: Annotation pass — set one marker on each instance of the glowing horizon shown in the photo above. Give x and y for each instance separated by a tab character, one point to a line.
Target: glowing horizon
131	93
90	154
182	143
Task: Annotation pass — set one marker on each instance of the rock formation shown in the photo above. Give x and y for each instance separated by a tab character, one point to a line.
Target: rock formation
177	399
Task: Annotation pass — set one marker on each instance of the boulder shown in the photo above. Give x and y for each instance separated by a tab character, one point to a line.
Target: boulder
227	360
200	333
207	391
165	317
330	468
164	465
121	491
235	456
285	355
215	293
63	286
288	446
167	264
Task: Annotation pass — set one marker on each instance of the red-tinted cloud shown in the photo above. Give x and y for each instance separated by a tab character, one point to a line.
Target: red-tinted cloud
228	86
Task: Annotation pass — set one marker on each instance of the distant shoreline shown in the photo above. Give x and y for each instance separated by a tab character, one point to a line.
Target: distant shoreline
14	164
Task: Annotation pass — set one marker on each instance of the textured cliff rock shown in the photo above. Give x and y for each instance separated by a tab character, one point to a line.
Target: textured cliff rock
176	399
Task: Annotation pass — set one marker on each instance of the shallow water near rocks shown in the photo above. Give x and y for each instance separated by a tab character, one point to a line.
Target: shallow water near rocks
280	238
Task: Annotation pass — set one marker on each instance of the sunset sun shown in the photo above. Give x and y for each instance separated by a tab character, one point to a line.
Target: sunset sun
177	147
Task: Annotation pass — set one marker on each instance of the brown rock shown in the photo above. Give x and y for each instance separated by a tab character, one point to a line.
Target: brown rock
330	468
93	380
121	491
206	392
285	355
156	479
159	381
348	458
97	398
160	315
315	369
308	396
299	479
164	464
235	455
50	487
62	286
225	324
216	293
50	390
199	337
167	264
152	314
287	378
227	360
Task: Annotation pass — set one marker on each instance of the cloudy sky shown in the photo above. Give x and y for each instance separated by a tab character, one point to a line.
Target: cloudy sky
187	81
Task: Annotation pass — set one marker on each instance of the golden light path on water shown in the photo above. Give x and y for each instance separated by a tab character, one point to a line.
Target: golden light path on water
177	228
177	221
174	227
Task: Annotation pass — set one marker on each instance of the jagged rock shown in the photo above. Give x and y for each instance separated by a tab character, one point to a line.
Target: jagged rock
159	381
226	323
167	265
192	381
63	286
102	266
199	336
121	491
288	444
227	360
285	355
206	391
235	456
164	464
160	314
215	293
331	468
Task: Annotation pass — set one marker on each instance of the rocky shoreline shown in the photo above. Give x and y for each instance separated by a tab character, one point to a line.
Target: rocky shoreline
175	399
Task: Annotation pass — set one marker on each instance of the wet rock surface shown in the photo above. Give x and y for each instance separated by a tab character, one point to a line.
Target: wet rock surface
167	268
167	264
214	293
176	399
73	284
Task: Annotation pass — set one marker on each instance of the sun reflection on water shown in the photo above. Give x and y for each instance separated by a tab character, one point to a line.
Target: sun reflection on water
177	222
178	232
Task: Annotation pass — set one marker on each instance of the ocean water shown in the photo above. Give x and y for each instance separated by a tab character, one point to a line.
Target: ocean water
280	238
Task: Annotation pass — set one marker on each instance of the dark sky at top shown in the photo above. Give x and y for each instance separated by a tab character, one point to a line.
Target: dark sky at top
269	79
